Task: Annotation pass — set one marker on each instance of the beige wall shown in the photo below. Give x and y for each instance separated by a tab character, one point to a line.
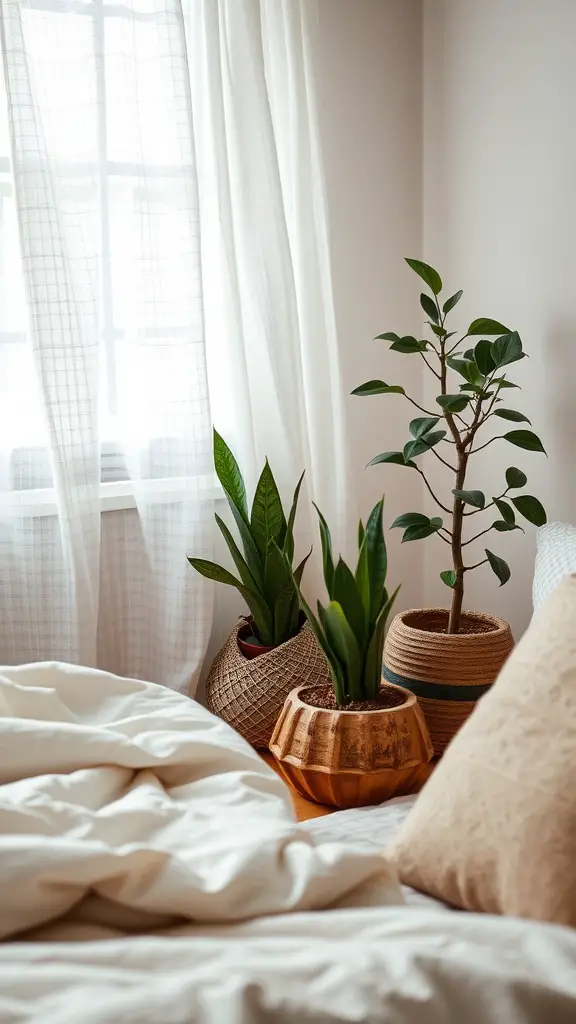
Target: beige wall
500	222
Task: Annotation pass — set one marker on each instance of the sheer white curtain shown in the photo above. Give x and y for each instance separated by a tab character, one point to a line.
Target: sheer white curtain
103	395
273	362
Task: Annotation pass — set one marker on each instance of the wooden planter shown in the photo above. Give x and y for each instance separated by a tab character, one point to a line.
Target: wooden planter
448	674
249	693
352	758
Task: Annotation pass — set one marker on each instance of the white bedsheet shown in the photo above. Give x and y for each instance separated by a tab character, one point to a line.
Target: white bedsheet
151	873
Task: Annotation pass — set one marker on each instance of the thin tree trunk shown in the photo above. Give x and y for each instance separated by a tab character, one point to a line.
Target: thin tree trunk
457	523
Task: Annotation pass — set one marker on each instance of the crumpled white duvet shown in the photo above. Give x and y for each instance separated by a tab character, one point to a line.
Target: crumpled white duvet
151	873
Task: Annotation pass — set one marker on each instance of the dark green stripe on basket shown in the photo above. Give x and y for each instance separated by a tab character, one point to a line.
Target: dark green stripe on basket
436	691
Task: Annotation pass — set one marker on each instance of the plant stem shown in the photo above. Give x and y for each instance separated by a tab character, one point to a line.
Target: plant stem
468	568
438	502
475	537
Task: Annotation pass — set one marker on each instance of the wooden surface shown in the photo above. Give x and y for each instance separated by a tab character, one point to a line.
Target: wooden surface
304	808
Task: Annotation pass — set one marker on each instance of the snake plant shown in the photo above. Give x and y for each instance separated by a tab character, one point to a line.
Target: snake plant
267	580
350	628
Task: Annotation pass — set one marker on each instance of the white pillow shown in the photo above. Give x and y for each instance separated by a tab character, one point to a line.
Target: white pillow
555	558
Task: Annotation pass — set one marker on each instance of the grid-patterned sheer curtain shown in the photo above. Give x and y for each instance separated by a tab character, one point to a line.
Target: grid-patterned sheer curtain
102	374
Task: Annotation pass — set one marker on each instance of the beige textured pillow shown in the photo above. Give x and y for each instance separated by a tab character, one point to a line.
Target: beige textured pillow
494	829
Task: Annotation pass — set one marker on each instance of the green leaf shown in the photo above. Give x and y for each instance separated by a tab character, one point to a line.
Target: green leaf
448	577
498	566
438	331
326	540
347	595
525	439
430	276
286	613
505	510
486	326
467	369
418	532
422	444
503	527
373	662
251	553
378	387
410	519
362	577
340	636
507	349
389	336
277	571
408	345
503	383
453	403
377	558
483	357
267	520
360	534
475	498
289	537
396	458
260	612
241	565
515	477
512	415
229	475
530	508
300	568
437	522
318	629
422	424
451	302
429	307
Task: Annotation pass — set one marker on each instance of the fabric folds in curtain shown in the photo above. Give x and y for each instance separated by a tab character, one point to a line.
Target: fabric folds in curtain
273	362
107	348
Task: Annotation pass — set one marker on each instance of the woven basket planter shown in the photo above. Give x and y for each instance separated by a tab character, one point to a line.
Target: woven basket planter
249	694
352	758
447	673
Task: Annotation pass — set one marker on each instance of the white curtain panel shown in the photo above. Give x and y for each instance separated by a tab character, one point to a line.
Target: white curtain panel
273	362
103	393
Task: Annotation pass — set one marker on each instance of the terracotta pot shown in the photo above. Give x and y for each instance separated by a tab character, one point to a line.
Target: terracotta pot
250	650
249	693
448	673
352	758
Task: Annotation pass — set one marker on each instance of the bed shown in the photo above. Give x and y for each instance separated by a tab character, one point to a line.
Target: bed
152	872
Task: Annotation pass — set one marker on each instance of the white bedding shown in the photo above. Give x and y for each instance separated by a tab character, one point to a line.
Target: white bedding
151	872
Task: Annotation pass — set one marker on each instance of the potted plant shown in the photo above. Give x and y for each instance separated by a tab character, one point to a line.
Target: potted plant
269	650
357	741
449	657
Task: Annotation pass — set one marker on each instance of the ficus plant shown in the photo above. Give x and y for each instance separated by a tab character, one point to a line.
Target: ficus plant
268	582
472	382
350	628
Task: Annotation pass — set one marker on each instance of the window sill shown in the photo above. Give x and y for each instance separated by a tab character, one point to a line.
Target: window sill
114	497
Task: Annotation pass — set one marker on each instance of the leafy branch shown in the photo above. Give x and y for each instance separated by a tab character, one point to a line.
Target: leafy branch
481	378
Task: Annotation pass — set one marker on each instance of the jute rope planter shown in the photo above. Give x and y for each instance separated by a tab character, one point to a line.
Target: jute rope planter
249	693
447	673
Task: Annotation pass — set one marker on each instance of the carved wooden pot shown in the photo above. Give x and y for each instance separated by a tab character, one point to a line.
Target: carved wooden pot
352	758
448	673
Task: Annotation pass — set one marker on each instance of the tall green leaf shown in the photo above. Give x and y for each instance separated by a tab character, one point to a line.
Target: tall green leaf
258	608
360	533
327	559
483	357
430	276
277	571
242	566
251	553
289	537
377	557
342	640
267	520
362	576
229	475
332	661
347	595
373	662
286	610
